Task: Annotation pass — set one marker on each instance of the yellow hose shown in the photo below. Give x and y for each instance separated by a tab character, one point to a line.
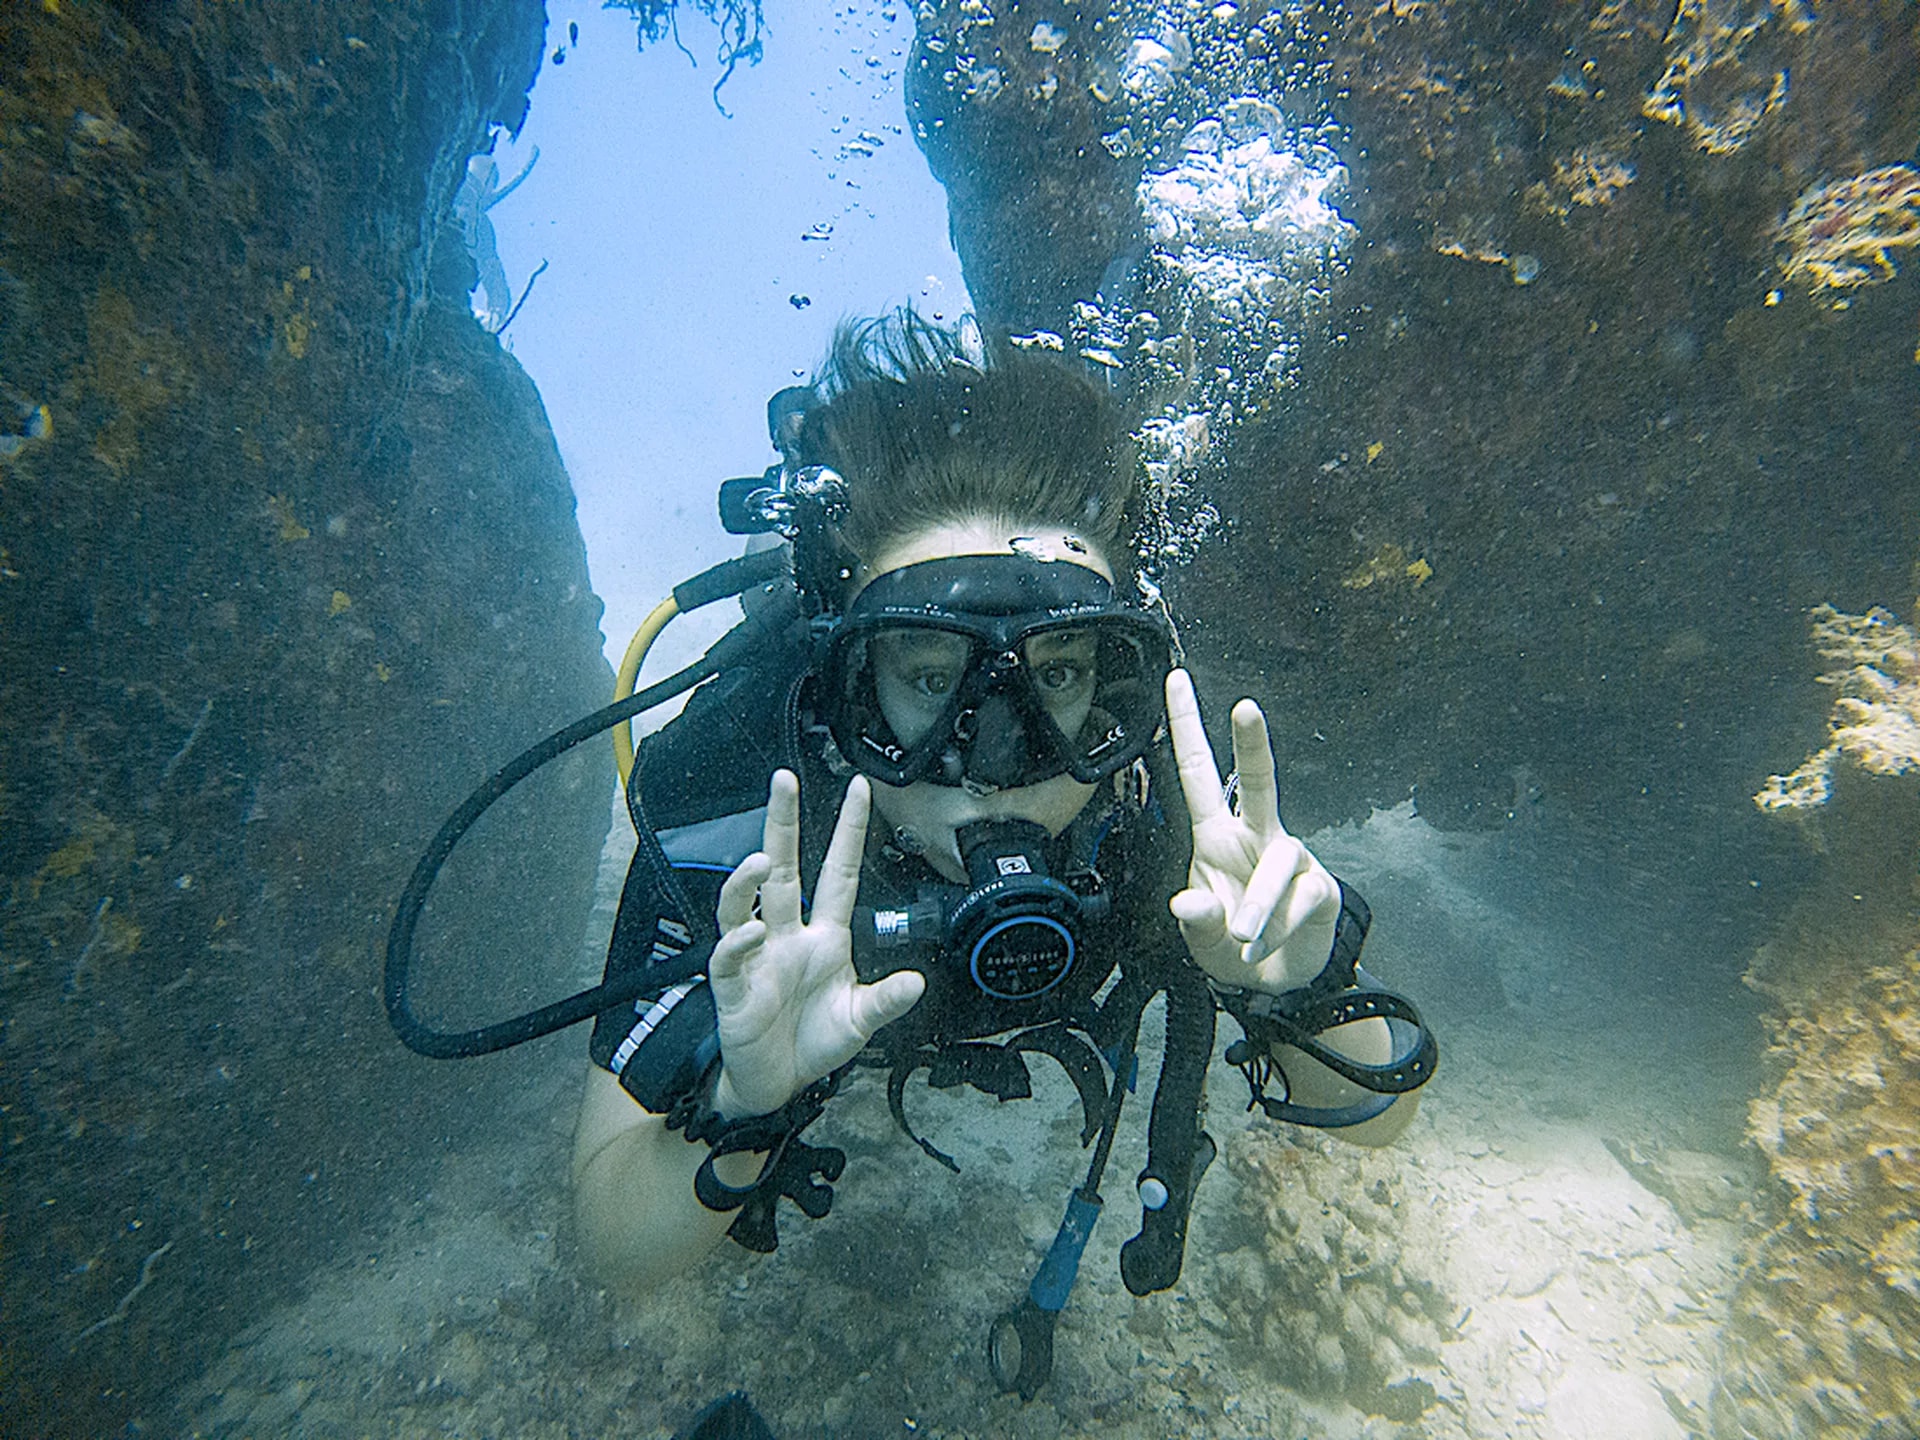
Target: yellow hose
629	675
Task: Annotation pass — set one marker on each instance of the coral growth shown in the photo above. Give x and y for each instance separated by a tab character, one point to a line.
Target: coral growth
1727	69
1876	717
1822	1330
1838	234
1843	1130
1823	1326
1330	1293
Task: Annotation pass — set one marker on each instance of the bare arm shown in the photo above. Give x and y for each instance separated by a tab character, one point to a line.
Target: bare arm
790	1010
1311	1083
637	1217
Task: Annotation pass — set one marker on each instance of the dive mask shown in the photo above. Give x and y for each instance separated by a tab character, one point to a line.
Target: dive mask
992	672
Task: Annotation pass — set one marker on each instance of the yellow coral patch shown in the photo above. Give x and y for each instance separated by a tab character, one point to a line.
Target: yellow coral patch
69	860
138	367
295	333
340	603
1876	716
1388	562
97	843
119	935
281	509
1384	564
1838	234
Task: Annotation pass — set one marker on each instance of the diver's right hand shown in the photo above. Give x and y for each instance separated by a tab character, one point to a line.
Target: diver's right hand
791	1007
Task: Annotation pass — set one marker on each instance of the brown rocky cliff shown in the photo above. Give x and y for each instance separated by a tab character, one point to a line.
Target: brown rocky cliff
288	562
1612	491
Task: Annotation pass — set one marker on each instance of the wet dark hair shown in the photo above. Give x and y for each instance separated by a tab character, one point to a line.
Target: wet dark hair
927	428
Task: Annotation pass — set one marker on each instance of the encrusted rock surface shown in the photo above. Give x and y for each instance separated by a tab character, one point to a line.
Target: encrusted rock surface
288	562
1823	1327
1335	1291
1569	446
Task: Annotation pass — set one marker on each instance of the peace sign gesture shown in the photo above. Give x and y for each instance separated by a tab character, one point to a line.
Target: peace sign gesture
1259	910
790	1006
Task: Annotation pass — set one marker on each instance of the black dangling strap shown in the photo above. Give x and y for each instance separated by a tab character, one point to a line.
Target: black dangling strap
904	1064
790	1166
1299	1020
994	1070
1082	1065
998	1070
789	1170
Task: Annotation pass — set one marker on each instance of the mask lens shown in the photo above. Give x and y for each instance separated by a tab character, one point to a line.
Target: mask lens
916	677
994	671
1100	686
1063	667
895	690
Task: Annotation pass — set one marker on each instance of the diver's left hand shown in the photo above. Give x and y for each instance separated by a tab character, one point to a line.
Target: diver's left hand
1259	910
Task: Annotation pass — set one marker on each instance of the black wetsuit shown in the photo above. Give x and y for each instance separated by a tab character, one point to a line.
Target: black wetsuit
698	792
703	782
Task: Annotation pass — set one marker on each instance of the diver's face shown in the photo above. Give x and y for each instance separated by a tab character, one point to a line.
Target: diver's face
916	673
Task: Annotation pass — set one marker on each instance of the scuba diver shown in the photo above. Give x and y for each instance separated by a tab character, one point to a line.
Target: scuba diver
479	192
942	802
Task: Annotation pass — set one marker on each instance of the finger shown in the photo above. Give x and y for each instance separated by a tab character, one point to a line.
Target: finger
732	955
1280	861
839	884
884	1001
736	896
1203	919
1199	776
1253	758
780	892
1315	894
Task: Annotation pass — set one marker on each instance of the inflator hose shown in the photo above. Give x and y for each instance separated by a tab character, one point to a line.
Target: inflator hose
1151	1260
722	581
450	1045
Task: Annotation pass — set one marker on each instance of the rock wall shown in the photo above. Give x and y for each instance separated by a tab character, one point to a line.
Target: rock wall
1822	1326
288	562
1531	477
1821	1330
1552	455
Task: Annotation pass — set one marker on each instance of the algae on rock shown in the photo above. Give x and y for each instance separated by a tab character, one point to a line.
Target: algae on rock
1825	1323
288	562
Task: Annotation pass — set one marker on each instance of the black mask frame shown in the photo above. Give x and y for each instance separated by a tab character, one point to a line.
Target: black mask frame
998	604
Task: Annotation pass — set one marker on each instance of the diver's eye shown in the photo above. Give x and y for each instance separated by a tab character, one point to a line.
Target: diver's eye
1055	676
1061	664
932	683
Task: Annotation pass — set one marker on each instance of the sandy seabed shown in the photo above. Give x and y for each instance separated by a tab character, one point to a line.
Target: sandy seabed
1547	1253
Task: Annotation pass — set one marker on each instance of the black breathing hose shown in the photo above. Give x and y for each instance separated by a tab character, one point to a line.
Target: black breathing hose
724	580
448	1045
1150	1261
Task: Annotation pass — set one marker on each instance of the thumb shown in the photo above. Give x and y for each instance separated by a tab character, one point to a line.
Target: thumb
736	950
884	1001
1203	919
